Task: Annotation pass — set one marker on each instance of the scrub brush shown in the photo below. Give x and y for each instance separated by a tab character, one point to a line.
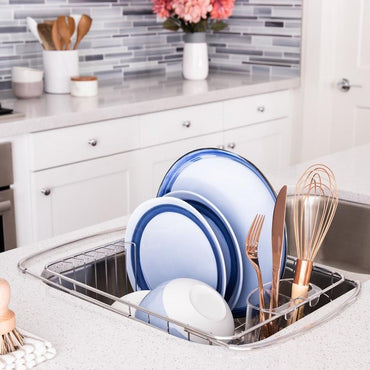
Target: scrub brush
11	339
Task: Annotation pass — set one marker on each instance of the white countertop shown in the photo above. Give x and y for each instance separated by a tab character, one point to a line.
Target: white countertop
89	337
131	97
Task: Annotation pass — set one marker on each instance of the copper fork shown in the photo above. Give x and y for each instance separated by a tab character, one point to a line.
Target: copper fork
251	250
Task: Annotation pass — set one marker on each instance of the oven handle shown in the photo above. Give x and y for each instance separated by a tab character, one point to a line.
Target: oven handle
5	206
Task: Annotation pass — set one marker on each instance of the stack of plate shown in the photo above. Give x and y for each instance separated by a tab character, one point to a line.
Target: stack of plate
197	226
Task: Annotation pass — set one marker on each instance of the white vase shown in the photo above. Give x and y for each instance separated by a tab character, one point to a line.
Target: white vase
195	58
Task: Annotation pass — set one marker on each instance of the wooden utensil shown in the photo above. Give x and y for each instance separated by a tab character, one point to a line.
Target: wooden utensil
82	29
65	30
44	31
56	37
71	28
10	338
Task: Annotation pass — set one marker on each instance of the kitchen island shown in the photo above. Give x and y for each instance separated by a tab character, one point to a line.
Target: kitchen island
90	337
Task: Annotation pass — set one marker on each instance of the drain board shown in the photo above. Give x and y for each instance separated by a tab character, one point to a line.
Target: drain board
98	275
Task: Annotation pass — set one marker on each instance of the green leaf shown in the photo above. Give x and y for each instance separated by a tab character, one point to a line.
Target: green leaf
170	24
201	26
218	26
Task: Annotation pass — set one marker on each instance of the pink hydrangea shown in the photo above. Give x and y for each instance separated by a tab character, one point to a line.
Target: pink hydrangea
222	9
162	8
192	11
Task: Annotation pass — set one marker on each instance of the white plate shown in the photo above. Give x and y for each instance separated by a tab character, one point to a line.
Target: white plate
172	240
240	191
226	238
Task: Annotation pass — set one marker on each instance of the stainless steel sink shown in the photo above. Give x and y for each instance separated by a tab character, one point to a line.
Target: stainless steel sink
347	244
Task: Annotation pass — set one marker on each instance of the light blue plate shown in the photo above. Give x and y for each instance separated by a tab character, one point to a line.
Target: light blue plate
172	240
226	238
240	191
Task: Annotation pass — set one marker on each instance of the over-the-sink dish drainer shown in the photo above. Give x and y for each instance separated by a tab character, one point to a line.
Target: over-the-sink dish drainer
94	269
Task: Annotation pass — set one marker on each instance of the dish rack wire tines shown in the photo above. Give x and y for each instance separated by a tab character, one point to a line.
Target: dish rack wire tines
98	275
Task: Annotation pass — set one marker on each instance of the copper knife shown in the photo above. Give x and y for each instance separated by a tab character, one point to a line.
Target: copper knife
278	222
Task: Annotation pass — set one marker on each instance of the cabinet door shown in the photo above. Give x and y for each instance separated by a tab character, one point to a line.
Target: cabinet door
156	161
71	197
266	144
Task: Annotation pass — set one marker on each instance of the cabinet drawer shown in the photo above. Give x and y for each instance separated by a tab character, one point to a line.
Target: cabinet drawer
73	144
177	124
258	108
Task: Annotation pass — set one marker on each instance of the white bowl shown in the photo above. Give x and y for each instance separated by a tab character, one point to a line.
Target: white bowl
191	302
26	75
134	298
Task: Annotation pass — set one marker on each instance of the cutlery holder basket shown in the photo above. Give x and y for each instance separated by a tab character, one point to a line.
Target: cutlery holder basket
98	275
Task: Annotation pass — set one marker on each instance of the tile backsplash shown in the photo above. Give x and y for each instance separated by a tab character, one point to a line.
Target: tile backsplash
127	40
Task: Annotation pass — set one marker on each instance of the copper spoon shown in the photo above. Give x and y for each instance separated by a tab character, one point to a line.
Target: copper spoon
82	29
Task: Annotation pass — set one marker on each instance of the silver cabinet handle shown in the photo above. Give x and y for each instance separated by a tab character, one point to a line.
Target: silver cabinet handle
46	191
261	108
344	85
186	124
93	142
220	146
231	146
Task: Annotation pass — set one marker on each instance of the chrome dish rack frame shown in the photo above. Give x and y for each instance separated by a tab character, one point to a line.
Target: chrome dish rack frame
98	275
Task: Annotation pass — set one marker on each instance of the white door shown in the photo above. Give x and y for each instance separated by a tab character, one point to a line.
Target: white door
351	107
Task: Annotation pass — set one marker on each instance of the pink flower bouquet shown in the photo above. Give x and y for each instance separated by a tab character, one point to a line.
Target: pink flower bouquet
193	15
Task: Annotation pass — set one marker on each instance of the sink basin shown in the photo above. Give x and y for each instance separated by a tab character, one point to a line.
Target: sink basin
346	246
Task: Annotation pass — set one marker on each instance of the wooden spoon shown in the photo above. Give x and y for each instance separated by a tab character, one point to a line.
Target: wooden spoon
44	31
55	36
83	28
65	30
71	28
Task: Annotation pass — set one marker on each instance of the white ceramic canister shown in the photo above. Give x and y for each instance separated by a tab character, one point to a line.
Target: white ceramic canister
195	58
84	86
27	82
59	67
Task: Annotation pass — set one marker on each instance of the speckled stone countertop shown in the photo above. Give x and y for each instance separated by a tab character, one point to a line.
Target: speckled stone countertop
131	97
90	337
351	168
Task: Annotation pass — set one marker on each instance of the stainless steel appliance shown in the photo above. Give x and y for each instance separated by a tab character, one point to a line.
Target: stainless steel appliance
7	217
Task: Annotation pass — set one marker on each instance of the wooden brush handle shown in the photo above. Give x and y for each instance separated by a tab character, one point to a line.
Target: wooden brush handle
7	317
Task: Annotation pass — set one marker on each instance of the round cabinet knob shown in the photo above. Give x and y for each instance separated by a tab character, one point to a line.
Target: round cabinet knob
93	142
261	108
186	124
231	146
46	191
220	146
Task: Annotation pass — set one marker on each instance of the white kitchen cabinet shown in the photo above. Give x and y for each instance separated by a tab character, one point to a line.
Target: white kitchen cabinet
258	108
265	144
156	161
179	124
87	174
74	196
74	144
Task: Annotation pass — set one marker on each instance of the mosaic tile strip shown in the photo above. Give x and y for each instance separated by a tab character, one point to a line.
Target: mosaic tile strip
127	39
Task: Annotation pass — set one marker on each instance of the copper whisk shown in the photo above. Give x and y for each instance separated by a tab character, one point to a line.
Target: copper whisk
314	204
